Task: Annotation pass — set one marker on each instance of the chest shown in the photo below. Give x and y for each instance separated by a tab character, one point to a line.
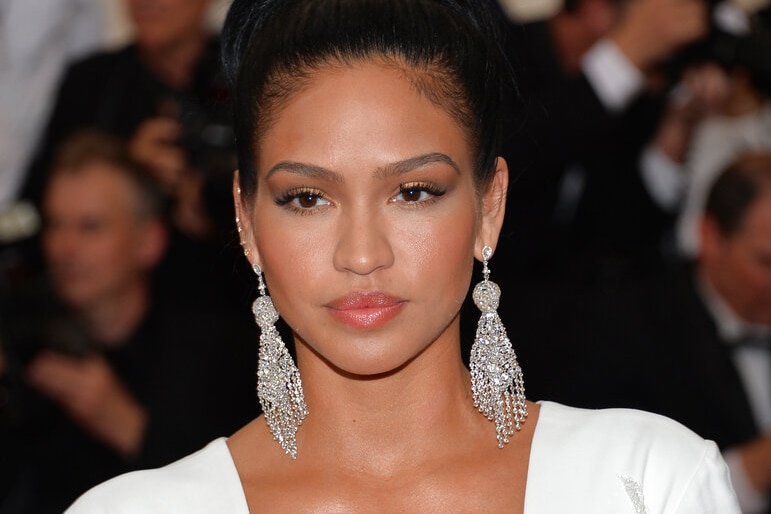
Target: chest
447	490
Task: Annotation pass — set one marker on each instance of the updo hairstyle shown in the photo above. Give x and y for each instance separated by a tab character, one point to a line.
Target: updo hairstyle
449	50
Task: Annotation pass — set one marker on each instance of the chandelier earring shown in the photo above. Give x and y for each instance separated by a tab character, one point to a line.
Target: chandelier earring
279	387
497	383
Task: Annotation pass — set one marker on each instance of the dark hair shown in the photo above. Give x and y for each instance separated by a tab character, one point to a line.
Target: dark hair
90	146
734	192
449	49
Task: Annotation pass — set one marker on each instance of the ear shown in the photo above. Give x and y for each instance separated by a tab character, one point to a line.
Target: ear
710	239
493	209
155	240
244	223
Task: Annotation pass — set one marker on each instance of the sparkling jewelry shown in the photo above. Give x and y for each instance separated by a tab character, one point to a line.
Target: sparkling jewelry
497	383
247	252
279	387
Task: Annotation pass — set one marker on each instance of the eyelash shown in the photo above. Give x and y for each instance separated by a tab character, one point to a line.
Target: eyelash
288	198
433	191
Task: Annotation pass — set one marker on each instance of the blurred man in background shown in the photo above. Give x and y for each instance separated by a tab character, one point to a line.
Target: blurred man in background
694	343
164	95
593	82
593	86
111	377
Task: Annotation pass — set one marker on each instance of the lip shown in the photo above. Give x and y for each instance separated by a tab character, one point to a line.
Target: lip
365	310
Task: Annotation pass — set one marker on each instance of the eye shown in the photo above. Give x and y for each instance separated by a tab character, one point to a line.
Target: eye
90	226
415	193
303	199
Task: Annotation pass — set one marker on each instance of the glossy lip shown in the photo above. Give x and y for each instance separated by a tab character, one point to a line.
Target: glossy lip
365	310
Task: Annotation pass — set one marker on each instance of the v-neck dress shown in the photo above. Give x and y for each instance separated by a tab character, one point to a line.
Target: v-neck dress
613	461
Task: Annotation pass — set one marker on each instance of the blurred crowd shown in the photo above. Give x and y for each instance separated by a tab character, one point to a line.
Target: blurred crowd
635	261
125	327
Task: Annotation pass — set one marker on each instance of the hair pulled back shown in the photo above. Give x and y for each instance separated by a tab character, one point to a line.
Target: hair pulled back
449	48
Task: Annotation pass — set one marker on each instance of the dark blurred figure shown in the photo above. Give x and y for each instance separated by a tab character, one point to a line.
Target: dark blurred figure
106	377
741	126
694	343
166	96
593	98
591	107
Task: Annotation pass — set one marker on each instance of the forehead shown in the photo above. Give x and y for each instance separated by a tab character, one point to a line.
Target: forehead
369	110
95	189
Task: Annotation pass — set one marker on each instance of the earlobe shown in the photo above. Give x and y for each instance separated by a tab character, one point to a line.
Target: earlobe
493	208
243	223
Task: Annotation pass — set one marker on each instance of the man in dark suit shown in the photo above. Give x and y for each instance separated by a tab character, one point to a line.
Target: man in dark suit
592	98
579	217
693	344
105	376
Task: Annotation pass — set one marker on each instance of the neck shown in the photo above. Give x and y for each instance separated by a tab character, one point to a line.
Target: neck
423	409
174	63
112	321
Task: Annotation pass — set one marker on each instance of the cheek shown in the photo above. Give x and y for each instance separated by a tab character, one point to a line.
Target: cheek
760	279
294	256
438	251
52	244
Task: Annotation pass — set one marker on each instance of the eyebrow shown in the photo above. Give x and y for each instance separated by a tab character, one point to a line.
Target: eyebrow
306	170
414	163
384	172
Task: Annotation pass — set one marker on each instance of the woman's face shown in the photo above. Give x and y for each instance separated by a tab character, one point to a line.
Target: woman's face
366	221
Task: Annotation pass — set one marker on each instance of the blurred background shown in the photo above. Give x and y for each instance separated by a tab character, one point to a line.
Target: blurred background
635	259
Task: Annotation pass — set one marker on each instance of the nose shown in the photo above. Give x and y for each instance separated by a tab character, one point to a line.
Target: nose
363	244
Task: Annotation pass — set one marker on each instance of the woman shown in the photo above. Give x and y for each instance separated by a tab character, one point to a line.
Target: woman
369	182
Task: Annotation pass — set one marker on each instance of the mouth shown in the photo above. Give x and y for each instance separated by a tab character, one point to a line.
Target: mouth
365	310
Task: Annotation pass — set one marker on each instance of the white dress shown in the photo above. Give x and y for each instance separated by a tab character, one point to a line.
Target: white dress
615	461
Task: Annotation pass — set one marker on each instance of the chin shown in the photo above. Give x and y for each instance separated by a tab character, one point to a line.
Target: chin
368	361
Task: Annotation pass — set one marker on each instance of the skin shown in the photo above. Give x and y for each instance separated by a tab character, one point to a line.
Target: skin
645	31
649	31
99	252
97	249
165	24
392	427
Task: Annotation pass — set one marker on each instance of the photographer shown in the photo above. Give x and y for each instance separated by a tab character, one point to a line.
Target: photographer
164	95
155	93
104	376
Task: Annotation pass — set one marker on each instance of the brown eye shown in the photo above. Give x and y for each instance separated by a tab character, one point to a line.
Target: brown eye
412	194
304	199
307	200
417	193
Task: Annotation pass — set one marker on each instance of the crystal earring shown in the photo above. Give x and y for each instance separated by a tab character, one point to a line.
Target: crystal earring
496	379
279	387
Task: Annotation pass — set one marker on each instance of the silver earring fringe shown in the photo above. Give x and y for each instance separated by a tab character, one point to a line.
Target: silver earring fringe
497	383
279	387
